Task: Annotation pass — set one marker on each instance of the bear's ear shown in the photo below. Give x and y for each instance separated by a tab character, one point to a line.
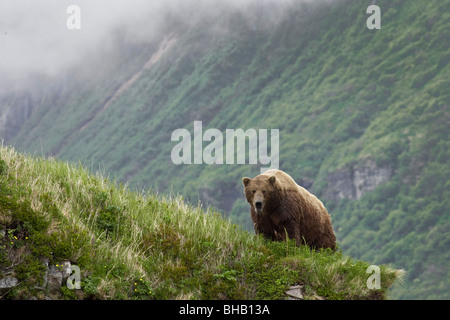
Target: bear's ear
245	181
272	179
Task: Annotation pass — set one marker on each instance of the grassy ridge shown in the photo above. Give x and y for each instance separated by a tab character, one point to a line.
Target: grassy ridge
132	245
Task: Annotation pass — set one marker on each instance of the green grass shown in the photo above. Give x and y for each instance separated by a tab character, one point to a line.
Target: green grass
140	245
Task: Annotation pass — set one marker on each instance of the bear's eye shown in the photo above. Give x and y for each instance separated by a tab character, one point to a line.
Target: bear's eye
264	191
253	191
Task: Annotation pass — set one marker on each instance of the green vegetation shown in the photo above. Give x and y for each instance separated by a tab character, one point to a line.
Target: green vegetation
142	246
340	95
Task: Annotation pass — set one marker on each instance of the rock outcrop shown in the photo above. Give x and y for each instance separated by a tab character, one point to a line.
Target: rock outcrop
352	182
55	276
297	292
7	283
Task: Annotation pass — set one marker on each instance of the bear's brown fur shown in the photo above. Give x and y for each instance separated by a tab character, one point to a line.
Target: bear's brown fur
280	207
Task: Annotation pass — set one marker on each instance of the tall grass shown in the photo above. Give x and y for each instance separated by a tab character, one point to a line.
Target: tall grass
141	245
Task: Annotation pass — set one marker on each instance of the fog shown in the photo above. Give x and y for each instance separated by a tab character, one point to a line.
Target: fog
35	39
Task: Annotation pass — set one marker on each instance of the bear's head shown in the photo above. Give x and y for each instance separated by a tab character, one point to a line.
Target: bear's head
259	191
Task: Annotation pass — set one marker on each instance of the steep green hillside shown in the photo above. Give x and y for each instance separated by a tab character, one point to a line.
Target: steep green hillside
143	246
363	118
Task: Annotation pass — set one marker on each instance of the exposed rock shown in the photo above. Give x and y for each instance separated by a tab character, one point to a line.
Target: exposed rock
55	276
353	182
7	283
367	177
43	285
66	270
54	282
295	293
340	185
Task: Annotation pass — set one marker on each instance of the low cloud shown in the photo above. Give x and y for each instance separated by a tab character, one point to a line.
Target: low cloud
34	38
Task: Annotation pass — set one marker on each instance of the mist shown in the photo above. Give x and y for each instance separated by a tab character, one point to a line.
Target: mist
35	39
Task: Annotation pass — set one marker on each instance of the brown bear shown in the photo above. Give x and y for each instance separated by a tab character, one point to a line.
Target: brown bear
280	207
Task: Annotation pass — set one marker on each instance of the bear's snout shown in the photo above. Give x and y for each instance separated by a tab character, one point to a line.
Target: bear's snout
258	203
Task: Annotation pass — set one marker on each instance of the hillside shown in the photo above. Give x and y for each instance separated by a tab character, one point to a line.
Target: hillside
144	246
363	117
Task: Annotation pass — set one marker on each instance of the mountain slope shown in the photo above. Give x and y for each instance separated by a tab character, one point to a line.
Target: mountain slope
143	246
363	118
